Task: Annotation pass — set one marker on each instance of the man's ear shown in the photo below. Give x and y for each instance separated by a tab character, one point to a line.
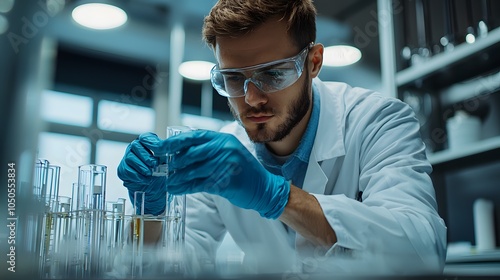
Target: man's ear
316	61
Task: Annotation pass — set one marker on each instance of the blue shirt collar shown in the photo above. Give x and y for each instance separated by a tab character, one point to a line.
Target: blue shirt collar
296	165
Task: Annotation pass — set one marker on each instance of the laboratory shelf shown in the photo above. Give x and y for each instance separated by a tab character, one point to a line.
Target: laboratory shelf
464	56
479	147
473	263
484	256
487	270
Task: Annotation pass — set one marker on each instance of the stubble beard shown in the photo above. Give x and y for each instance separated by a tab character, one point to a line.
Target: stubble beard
297	111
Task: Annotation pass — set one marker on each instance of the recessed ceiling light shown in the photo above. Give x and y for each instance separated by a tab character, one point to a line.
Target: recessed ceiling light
99	16
341	55
6	6
196	70
4	24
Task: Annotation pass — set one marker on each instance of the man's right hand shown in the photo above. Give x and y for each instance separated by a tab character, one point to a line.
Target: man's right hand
135	170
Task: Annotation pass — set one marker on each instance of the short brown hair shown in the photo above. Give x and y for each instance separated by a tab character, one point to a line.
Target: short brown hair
238	17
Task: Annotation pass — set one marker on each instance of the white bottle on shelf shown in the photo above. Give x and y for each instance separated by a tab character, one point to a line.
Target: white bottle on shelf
462	129
484	225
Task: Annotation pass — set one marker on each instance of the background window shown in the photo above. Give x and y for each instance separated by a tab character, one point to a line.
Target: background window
66	151
122	117
66	108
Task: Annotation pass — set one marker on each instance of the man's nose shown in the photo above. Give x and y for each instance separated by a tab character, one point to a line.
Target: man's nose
253	95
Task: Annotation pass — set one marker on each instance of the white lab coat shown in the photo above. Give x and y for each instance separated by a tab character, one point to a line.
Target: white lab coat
364	142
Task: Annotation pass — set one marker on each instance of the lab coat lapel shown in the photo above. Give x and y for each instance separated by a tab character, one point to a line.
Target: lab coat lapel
328	147
315	180
329	140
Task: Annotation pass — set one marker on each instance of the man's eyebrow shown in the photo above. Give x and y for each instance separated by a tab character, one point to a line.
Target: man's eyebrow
232	72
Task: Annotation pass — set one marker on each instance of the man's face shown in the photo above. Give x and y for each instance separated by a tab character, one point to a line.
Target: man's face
266	117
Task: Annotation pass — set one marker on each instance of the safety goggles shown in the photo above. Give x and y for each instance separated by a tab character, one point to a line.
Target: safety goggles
267	77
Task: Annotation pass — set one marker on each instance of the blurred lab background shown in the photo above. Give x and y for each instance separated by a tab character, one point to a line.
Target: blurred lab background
77	87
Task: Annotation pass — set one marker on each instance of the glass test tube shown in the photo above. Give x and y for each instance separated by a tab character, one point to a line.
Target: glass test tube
175	216
175	208
40	177
115	215
162	168
115	212
92	182
138	234
75	240
31	233
75	199
173	233
60	249
52	191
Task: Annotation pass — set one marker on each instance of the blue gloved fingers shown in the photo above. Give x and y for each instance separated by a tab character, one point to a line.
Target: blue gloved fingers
197	185
150	150
277	198
155	194
152	143
157	189
194	155
208	171
134	163
131	169
143	154
149	138
183	141
221	148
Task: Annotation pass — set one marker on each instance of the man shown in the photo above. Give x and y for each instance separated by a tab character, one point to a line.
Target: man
320	176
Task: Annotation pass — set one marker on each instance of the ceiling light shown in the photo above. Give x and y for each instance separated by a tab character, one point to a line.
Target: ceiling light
196	70
341	55
4	24
99	16
6	6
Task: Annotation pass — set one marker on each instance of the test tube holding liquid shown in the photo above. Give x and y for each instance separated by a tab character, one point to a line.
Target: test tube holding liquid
175	212
138	234
115	212
60	250
40	177
49	191
115	217
162	168
52	191
92	182
35	225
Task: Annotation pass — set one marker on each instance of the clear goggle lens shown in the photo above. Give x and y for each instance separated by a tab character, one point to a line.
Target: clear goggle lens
268	77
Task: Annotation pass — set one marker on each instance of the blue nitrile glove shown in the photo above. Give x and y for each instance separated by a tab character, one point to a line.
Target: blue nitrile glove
217	163
135	171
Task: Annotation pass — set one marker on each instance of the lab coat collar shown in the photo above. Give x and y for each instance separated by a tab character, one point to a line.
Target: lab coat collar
329	141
